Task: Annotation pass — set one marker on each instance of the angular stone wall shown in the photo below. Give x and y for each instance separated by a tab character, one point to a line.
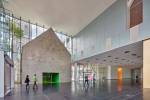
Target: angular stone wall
46	53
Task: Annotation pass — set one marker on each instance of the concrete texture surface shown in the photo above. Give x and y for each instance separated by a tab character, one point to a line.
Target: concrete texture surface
46	53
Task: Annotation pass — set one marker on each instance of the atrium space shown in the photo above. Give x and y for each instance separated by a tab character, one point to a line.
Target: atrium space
74	49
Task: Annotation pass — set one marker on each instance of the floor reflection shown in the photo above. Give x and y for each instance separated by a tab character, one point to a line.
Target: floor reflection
53	87
101	90
120	86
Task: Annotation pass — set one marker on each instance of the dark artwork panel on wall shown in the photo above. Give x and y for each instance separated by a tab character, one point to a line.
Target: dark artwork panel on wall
136	13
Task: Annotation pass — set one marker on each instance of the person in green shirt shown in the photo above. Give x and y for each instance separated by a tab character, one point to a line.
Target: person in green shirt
35	82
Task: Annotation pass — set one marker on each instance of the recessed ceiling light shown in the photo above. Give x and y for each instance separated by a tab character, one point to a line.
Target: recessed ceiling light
97	59
138	56
122	59
126	51
133	54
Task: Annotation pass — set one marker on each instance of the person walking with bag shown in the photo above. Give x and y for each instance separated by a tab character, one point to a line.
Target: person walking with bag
27	81
35	82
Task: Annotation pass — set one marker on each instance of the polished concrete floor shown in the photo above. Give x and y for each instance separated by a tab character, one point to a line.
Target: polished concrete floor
102	90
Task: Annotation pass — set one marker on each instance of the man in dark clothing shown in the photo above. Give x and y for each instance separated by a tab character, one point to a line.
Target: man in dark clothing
86	80
27	81
137	79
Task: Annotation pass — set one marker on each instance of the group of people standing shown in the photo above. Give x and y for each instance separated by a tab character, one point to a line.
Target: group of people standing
88	78
27	81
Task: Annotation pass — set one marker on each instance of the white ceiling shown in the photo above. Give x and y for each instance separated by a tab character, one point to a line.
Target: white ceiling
69	16
132	59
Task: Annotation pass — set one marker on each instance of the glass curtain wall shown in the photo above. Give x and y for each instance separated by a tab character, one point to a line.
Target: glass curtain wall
16	32
5	37
66	40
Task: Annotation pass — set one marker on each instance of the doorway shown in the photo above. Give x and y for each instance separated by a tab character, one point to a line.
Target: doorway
50	78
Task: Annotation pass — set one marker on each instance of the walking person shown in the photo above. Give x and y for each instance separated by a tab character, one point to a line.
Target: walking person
27	81
35	82
94	79
137	79
86	80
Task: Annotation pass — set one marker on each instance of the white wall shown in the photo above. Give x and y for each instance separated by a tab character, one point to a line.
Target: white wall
102	72
146	64
12	77
114	72
1	74
109	72
126	73
108	31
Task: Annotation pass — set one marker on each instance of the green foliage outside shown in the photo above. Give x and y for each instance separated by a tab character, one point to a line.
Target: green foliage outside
7	47
17	31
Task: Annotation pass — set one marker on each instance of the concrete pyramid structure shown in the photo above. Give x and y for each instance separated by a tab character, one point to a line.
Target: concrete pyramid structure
46	54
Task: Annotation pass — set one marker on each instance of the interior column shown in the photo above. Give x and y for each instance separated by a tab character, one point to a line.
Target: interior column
146	63
1	74
109	72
